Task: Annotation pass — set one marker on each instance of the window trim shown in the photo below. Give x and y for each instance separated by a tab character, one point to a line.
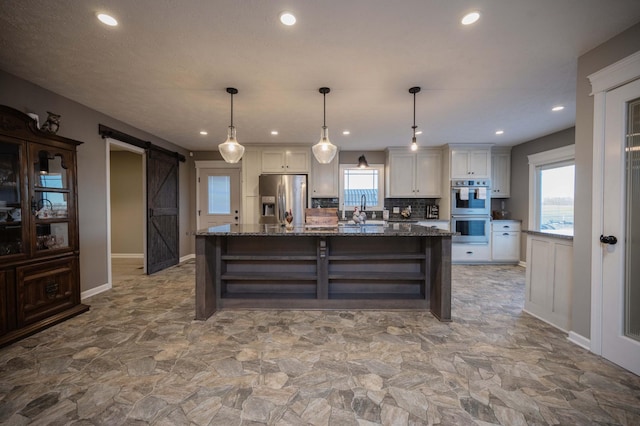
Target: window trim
562	156
380	202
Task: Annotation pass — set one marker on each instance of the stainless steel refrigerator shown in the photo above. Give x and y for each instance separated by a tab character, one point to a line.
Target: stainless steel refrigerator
280	194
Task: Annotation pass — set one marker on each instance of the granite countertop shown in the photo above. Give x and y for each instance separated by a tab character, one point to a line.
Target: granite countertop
389	230
549	234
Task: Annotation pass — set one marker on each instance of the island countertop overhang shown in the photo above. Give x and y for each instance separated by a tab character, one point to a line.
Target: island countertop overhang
389	230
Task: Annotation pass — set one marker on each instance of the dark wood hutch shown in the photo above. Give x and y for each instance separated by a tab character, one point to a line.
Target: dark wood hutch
39	249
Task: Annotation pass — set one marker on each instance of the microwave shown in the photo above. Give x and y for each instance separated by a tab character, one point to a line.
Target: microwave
471	197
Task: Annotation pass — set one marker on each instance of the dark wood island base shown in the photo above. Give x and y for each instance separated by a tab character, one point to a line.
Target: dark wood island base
369	267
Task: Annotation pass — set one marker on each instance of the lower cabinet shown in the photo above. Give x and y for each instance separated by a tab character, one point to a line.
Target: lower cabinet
470	253
38	294
549	278
4	318
505	241
45	289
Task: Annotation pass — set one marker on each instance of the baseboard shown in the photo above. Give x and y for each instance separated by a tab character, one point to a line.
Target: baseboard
579	340
96	290
127	255
545	320
187	257
522	263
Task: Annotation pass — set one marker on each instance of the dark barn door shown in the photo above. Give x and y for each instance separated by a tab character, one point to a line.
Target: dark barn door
162	210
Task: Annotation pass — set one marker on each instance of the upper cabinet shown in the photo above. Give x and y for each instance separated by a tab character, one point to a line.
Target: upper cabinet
414	174
285	160
325	179
501	172
470	162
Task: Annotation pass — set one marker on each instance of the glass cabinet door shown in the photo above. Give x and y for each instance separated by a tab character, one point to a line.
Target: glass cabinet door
12	231
51	197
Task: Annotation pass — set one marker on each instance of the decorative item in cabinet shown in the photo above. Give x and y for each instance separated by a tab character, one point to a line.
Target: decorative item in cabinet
39	229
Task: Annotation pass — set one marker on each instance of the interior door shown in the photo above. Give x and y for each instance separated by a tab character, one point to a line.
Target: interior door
162	210
218	196
621	228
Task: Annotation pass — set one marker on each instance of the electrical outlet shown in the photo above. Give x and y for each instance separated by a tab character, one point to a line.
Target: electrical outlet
396	209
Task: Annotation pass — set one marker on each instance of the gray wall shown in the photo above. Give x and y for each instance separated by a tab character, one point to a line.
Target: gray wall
81	123
127	203
619	47
518	204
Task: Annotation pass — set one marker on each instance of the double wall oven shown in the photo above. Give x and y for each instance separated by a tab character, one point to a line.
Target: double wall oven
471	210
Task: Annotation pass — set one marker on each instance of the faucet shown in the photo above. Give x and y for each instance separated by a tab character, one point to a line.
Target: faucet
363	207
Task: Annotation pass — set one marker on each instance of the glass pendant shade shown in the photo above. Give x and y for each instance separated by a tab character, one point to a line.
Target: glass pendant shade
324	150
362	162
414	141
231	150
414	144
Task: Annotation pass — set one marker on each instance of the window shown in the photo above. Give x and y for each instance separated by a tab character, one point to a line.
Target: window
219	195
551	191
358	185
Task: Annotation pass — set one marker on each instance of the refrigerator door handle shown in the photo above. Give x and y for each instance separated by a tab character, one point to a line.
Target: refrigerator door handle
281	204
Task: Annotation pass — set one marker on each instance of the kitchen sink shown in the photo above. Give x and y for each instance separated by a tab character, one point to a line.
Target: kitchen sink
374	222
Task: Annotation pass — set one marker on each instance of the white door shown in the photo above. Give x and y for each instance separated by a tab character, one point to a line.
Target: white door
218	197
621	219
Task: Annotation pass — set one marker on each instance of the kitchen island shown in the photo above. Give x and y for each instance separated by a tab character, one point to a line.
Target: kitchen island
395	266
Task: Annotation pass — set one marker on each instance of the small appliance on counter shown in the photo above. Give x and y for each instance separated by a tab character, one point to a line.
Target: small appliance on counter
432	212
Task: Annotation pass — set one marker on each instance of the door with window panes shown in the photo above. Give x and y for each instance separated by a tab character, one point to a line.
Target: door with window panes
219	197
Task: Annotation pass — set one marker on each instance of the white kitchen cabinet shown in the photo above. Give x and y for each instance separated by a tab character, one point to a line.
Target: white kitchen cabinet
470	253
501	172
414	174
549	278
251	166
505	241
285	161
470	163
325	179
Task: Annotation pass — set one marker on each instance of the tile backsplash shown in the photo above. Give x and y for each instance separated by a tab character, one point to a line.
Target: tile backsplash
418	206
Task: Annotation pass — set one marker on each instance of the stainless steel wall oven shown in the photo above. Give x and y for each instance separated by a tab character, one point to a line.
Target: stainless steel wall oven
471	197
471	211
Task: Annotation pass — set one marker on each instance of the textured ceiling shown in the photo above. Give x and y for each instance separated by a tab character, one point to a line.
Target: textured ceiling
165	68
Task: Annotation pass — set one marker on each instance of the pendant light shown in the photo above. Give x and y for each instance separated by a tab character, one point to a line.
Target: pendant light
231	150
414	142
324	150
362	162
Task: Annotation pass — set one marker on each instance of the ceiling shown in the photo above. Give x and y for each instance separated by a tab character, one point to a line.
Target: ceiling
165	67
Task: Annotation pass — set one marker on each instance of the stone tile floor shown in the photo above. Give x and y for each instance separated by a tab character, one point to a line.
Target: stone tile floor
138	357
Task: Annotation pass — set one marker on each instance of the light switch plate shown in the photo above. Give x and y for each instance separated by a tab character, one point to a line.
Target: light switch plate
396	209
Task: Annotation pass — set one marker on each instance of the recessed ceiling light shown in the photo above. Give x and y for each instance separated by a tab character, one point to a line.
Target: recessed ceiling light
470	18
557	108
346	132
287	18
274	132
203	132
419	132
107	19
499	132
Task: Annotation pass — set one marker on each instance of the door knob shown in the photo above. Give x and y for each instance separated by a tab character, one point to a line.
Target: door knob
609	239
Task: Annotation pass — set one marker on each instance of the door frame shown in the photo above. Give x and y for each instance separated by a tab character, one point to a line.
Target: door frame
212	164
131	148
608	78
